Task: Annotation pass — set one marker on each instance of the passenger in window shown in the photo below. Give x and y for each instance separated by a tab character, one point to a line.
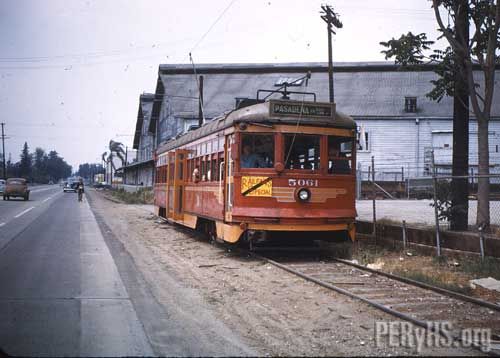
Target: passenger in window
196	174
250	159
336	163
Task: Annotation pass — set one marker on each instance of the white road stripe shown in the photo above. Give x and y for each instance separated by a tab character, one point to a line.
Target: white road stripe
47	199
39	190
24	212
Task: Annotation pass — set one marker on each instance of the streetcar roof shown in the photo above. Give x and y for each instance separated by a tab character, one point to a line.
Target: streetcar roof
258	113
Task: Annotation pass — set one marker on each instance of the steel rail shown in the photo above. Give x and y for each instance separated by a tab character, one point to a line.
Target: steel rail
379	306
423	285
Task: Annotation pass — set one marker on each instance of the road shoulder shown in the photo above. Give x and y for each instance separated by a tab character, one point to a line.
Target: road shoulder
174	315
271	311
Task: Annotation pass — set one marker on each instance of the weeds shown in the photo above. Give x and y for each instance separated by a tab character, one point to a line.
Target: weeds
434	280
485	268
370	254
473	266
141	196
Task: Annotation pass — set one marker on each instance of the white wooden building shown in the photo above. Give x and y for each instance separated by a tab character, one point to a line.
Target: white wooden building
401	125
141	170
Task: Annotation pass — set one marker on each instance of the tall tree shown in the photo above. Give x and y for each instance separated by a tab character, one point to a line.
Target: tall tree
39	167
89	170
482	48
26	162
457	77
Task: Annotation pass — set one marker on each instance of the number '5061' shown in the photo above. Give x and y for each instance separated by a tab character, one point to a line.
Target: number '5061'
302	182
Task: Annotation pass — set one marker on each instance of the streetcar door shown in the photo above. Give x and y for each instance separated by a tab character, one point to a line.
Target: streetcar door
170	184
180	172
229	166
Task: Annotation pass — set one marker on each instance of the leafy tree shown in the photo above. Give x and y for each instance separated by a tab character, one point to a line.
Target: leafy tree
26	162
39	167
40	174
408	49
89	170
456	77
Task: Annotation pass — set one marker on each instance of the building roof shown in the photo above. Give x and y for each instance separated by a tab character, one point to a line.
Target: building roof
145	107
362	89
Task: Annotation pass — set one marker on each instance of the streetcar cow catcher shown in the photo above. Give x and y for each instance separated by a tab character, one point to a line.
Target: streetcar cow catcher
269	168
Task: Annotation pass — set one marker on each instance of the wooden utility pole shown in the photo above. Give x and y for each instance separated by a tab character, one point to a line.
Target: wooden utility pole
460	161
200	103
332	21
125	166
4	173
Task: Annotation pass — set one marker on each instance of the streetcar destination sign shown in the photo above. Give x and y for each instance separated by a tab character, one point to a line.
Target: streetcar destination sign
322	110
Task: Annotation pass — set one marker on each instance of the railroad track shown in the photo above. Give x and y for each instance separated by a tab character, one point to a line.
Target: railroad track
403	298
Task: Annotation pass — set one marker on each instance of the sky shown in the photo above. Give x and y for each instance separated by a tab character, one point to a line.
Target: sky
71	71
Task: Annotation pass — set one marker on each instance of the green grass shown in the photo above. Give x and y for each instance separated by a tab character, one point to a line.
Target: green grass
474	266
141	196
434	281
482	268
369	254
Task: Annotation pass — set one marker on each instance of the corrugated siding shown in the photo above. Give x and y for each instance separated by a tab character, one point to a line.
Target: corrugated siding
400	143
146	140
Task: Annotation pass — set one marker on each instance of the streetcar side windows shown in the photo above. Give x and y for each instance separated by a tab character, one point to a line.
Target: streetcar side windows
257	151
302	151
339	155
204	160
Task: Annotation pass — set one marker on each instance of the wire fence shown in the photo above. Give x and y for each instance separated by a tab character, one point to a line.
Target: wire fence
424	197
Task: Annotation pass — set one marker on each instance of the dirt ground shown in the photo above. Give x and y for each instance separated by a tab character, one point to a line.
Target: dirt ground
274	312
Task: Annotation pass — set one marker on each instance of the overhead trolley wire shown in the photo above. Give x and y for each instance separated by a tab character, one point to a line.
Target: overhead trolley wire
213	25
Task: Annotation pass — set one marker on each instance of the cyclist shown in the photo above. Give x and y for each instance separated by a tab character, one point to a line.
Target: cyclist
80	190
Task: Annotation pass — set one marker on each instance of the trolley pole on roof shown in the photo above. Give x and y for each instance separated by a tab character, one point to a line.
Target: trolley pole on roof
333	22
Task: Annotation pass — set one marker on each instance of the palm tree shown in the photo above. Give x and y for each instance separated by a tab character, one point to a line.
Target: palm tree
115	148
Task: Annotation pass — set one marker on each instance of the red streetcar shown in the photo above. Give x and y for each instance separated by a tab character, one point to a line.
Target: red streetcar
277	166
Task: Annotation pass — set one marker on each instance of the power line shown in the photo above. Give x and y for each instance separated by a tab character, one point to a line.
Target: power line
70	66
213	24
94	54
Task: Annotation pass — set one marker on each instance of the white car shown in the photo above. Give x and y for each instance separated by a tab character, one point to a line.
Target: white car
69	186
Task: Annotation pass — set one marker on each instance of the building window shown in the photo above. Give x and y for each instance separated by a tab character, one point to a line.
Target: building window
363	143
410	104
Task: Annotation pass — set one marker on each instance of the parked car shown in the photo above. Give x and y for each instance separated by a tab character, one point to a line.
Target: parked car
16	187
2	185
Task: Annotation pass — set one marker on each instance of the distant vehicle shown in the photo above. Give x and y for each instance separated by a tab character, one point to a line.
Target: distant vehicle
16	187
2	185
70	186
99	179
51	182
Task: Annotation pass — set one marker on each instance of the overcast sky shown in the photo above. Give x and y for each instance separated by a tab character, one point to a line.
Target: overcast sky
71	71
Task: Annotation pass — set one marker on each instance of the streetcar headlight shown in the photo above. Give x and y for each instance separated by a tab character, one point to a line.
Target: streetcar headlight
304	194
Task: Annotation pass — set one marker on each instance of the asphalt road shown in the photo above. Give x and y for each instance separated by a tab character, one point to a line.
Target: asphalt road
60	291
